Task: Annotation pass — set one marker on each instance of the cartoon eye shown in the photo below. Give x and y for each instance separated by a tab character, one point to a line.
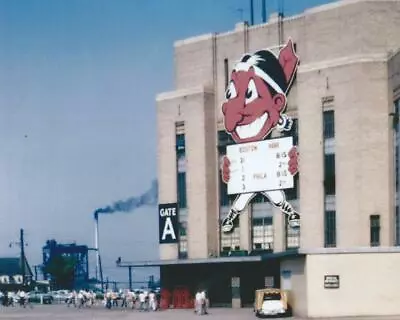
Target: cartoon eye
251	92
231	91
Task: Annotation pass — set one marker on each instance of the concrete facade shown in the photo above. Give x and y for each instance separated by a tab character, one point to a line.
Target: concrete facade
349	63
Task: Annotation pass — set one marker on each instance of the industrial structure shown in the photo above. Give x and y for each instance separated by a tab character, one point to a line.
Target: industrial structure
344	103
79	253
148	198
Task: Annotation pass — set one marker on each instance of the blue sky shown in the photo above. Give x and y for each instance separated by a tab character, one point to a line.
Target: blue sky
77	113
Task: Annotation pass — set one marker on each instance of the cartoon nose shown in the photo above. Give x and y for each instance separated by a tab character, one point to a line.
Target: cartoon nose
233	115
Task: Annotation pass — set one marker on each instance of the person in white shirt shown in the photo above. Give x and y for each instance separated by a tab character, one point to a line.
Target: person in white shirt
152	301
198	303
142	300
204	302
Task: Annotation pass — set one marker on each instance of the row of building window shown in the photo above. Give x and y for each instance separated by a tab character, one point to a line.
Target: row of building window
292	238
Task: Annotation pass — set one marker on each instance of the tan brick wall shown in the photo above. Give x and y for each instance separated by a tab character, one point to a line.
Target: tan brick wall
195	107
310	90
394	75
298	291
167	114
352	69
368	285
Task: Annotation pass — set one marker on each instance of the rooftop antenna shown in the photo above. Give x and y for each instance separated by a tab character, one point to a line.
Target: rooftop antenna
280	20
264	11
251	12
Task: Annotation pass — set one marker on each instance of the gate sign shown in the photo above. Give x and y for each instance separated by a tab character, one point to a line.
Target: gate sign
168	223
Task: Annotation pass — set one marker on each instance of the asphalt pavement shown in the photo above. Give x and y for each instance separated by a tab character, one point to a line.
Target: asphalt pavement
62	312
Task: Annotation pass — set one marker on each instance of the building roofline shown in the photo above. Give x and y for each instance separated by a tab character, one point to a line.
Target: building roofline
184	92
350	250
304	13
258	258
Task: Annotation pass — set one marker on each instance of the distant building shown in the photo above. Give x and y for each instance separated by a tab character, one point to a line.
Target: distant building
78	252
11	274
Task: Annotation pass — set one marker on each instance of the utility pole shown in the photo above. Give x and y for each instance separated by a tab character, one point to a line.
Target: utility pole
22	244
130	278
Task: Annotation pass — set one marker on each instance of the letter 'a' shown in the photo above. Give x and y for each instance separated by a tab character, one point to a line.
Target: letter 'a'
168	229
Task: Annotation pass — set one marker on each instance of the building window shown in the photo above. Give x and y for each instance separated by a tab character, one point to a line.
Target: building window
396	127
263	234
375	228
292	194
329	124
183	239
293	132
226	72
330	229
292	235
230	241
330	174
181	170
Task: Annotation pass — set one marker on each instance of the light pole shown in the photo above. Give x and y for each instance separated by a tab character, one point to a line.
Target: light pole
21	243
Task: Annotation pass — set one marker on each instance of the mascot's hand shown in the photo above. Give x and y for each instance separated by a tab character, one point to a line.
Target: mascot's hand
226	172
293	161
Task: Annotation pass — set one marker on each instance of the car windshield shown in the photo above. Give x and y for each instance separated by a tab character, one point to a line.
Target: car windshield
272	296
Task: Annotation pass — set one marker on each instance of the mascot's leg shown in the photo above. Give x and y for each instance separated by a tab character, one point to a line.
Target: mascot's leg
238	205
278	199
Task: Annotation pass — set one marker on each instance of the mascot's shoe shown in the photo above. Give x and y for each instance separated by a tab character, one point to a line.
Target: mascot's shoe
228	222
294	220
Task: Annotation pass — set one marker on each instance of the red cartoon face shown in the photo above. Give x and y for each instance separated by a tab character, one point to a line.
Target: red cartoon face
250	111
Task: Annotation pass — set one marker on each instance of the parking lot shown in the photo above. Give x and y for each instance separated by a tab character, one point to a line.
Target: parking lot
62	312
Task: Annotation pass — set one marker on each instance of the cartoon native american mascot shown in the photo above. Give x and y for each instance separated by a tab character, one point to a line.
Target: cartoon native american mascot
256	99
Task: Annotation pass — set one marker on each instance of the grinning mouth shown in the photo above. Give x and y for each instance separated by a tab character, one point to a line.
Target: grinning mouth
252	129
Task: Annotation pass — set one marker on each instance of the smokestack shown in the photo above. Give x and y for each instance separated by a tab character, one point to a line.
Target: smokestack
96	241
251	12
264	11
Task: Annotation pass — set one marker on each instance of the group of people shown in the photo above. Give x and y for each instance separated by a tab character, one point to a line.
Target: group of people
140	300
20	297
201	303
81	298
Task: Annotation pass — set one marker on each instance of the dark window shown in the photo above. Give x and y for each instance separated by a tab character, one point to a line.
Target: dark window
375	228
259	198
181	170
397	226
330	177
330	229
329	124
224	139
292	235
226	72
180	142
292	193
293	132
263	234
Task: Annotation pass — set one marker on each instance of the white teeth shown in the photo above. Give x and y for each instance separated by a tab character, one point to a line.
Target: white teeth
252	129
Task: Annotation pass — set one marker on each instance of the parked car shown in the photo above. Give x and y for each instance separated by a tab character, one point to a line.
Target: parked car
272	303
38	297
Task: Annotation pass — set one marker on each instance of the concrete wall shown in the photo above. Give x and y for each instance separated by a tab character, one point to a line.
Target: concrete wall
368	284
297	268
194	107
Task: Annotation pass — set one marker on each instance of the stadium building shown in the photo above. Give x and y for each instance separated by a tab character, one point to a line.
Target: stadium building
344	101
